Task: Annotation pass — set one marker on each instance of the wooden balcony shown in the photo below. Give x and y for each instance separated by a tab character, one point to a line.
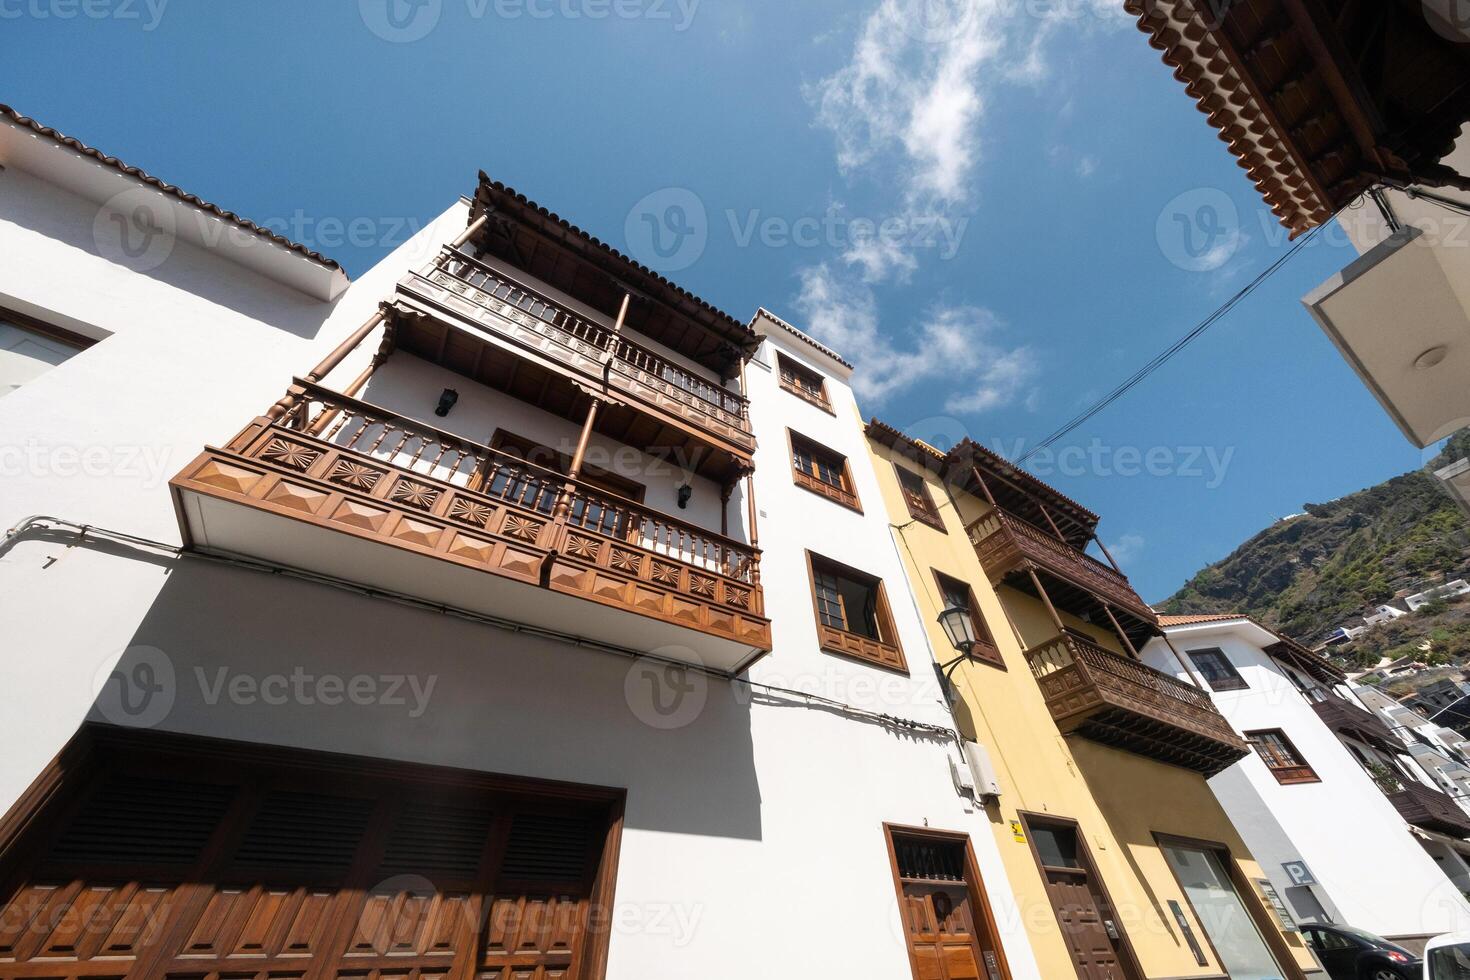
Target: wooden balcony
518	314
1346	718
1006	544
331	484
1115	700
1430	809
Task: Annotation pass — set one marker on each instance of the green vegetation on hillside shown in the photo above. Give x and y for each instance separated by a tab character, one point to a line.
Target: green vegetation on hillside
1309	574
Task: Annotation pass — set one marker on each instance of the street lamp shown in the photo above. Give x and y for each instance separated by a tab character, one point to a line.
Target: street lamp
959	628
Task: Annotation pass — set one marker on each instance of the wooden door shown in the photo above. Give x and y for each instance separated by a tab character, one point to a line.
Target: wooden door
280	873
950	933
1094	940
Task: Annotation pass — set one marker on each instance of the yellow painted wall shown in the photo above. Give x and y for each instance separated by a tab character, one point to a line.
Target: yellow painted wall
1118	799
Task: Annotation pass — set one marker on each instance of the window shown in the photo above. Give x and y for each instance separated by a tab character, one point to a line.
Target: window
29	348
1281	757
953	592
1320	939
853	617
916	496
1218	670
820	470
803	382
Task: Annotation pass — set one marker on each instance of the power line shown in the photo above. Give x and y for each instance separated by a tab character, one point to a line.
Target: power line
1164	356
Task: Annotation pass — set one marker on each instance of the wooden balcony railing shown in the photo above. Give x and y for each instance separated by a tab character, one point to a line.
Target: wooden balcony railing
1346	718
1004	543
358	468
500	302
1430	809
1119	701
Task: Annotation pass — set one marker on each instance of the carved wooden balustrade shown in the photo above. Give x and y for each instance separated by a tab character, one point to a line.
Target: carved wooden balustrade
497	301
1119	701
354	467
1005	543
1429	808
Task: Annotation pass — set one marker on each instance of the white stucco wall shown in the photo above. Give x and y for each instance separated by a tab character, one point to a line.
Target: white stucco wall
1372	872
749	819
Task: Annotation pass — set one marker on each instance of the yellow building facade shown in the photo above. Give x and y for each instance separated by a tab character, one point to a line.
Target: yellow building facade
1118	854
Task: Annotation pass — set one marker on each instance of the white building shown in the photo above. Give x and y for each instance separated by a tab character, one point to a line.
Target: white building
1449	590
408	702
1331	803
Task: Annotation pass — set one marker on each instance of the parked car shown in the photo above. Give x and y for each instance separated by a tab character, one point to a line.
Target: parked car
1448	957
1355	954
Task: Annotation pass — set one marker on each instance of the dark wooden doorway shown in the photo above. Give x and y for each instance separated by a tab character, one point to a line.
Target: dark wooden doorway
172	857
946	917
1085	916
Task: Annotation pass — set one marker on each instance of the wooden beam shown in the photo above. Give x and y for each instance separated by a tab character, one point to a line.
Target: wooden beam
339	354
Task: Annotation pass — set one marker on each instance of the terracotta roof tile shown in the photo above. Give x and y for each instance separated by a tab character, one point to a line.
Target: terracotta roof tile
73	143
1190	618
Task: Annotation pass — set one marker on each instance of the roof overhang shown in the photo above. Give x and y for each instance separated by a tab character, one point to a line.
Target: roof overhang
64	162
1400	316
1320	101
1273	644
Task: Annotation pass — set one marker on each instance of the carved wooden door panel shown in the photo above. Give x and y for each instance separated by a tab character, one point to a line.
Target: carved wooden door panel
946	941
295	875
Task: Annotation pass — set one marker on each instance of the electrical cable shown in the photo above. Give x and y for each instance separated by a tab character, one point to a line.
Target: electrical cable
1163	357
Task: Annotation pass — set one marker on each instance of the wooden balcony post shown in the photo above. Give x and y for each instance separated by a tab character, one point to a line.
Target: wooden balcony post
470	231
726	491
579	457
352	390
1118	628
1193	678
984	487
1055	616
346	347
1054	529
1106	553
750	505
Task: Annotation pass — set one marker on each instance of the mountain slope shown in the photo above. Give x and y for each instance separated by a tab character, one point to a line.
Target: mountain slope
1309	574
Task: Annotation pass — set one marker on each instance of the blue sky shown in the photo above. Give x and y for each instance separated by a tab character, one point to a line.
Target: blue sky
1057	210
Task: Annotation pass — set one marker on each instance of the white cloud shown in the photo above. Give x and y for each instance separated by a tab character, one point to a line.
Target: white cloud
1127	548
954	344
1086	166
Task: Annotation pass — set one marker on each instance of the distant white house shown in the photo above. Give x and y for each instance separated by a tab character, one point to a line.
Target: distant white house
1385	613
1450	590
1321	754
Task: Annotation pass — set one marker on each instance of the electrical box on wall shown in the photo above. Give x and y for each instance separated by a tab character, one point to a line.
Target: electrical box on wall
977	775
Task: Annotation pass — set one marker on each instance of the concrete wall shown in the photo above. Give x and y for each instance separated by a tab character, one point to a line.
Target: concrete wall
752	815
1335	825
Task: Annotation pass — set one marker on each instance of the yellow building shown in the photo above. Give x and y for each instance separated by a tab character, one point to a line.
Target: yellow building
1120	858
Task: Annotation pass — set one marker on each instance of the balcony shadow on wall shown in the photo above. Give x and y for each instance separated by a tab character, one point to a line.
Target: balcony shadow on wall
252	656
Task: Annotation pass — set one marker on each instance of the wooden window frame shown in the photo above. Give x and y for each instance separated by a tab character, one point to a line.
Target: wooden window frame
48	330
1296	770
983	649
920	502
886	651
788	365
979	898
63	783
845	494
1265	921
1233	683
